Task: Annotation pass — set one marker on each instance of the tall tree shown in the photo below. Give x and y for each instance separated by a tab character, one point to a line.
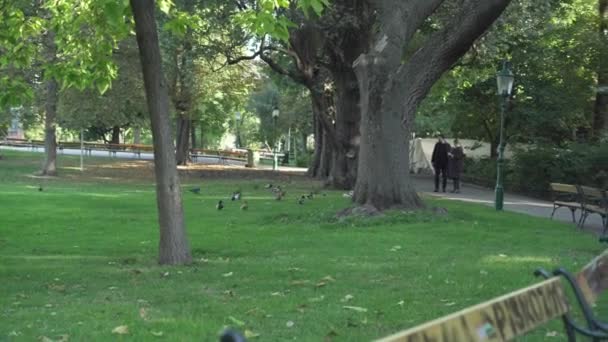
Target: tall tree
173	246
392	83
600	123
49	168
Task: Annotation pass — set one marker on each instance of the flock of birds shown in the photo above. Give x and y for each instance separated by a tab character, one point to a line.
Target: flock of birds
277	191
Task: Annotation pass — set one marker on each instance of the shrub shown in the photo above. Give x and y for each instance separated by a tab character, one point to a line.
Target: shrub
530	171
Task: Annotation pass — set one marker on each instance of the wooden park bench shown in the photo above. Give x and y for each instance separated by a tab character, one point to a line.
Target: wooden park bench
593	201
565	196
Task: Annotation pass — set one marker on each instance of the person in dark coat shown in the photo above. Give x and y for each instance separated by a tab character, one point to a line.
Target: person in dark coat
456	164
440	162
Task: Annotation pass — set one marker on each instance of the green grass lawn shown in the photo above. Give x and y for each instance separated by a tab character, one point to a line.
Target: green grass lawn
79	259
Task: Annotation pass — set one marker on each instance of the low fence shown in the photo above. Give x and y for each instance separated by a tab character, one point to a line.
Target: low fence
137	149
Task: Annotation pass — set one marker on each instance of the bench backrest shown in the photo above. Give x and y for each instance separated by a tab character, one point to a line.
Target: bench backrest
563	188
591	195
567	192
499	319
593	278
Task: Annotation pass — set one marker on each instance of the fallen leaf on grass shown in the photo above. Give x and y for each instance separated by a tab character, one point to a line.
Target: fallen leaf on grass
236	321
450	304
289	324
143	314
251	334
277	294
502	255
45	339
401	302
328	279
299	282
229	274
395	248
321	284
121	330
157	333
355	308
551	334
317	299
166	274
347	298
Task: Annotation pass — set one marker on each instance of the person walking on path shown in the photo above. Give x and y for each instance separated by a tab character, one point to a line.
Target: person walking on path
456	164
440	162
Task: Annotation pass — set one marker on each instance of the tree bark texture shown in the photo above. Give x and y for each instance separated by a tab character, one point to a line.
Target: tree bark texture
391	89
115	135
348	120
49	168
50	122
193	133
182	152
600	112
173	245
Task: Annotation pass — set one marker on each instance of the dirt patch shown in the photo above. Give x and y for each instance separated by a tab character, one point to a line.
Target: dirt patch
360	211
143	170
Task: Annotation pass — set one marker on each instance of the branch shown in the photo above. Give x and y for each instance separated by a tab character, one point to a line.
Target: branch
401	19
445	47
260	50
294	75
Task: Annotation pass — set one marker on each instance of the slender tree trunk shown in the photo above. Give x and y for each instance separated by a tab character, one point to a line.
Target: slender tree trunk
173	245
50	141
115	135
193	133
315	163
600	113
183	140
202	138
49	167
137	135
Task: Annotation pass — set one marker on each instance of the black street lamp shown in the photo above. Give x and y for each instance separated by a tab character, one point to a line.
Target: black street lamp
504	81
275	117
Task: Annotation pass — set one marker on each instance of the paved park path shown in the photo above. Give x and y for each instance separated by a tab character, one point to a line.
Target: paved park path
517	203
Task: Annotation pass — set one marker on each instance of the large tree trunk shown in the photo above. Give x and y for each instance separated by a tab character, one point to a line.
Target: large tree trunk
173	245
391	90
115	135
50	141
383	179
348	119
183	140
600	113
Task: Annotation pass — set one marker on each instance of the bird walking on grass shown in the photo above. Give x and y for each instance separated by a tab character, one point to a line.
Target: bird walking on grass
196	190
302	199
236	196
280	195
220	205
245	205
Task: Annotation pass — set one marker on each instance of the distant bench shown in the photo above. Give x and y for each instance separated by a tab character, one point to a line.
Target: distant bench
587	199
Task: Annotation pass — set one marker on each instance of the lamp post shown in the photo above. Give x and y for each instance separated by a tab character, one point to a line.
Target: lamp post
238	117
504	81
275	117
